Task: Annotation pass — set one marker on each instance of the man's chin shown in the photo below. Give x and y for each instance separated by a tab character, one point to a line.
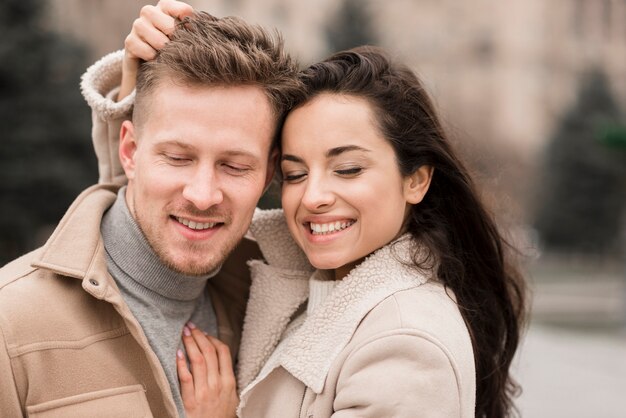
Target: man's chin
193	267
195	259
189	262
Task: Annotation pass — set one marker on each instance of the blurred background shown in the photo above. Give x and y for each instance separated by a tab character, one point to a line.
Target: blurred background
533	92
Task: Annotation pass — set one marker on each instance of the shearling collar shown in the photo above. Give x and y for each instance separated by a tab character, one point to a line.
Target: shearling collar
278	291
104	76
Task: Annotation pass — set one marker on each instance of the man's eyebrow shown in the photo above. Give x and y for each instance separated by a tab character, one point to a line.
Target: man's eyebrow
176	143
233	152
240	153
333	152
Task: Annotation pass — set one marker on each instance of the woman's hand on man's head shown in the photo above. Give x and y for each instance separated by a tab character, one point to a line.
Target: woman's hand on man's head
149	34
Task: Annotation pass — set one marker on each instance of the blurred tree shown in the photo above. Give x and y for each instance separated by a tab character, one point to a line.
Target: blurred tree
583	190
351	27
46	157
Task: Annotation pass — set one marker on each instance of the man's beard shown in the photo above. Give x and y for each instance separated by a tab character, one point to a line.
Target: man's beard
214	258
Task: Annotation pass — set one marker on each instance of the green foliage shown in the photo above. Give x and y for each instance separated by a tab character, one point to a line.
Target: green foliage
583	188
614	136
46	157
351	27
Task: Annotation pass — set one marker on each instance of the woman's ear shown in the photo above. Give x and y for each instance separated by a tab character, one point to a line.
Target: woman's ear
128	146
416	185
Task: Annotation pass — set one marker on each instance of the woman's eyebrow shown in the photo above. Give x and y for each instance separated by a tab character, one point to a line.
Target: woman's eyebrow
333	152
289	157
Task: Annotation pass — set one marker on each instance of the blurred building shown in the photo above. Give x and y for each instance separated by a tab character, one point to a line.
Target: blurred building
502	71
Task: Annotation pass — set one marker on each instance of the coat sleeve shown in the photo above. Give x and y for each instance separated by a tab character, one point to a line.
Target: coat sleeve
400	375
10	405
99	86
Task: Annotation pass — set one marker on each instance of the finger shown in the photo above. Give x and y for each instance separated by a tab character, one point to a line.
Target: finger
224	358
136	48
148	33
225	363
185	378
209	353
196	360
177	9
157	18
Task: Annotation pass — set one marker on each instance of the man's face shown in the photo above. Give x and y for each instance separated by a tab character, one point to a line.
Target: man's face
196	169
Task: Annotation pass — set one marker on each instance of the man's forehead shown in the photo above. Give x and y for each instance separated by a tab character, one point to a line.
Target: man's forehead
238	118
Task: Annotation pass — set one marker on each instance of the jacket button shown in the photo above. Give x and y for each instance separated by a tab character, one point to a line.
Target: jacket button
94	282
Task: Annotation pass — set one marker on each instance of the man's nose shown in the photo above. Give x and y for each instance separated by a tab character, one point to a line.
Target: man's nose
203	189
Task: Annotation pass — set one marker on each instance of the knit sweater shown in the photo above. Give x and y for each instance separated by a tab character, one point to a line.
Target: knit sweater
161	299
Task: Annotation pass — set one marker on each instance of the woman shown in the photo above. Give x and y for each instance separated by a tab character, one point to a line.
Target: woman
404	302
412	290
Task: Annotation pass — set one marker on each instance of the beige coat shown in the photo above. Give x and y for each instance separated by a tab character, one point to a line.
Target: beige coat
388	342
69	345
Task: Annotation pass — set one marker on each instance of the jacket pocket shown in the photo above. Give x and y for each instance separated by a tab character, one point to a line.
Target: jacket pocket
123	402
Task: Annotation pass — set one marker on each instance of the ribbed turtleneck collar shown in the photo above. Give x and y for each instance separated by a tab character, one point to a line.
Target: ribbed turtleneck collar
130	251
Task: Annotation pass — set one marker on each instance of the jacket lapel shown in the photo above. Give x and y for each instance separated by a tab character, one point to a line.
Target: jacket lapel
310	353
277	292
275	295
71	248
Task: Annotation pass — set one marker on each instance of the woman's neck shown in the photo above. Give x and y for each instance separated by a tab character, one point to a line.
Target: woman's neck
341	272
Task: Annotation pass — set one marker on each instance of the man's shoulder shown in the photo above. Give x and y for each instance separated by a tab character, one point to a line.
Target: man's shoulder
18	268
21	291
26	289
38	304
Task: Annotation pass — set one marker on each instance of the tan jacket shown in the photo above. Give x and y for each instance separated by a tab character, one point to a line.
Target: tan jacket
69	345
388	342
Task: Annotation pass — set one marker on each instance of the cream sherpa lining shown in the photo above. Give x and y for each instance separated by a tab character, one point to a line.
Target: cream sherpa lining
99	80
310	352
270	230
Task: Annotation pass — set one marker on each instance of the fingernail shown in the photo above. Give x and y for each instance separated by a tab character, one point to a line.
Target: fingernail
179	354
191	325
186	331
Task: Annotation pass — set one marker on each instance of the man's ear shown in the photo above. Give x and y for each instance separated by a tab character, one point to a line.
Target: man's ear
271	167
128	146
416	185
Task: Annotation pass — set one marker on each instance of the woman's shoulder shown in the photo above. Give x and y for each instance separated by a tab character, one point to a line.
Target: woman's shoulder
427	312
411	351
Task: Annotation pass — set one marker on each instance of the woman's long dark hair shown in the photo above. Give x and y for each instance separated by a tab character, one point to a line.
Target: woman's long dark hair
472	258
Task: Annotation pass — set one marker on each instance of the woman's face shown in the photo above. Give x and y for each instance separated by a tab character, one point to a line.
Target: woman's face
343	194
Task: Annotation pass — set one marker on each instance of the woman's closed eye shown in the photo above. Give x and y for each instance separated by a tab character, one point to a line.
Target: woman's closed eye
349	171
294	177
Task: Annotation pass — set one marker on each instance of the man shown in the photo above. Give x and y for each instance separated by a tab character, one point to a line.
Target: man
91	322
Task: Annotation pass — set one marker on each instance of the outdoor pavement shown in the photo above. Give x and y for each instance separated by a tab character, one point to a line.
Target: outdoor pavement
575	367
572	374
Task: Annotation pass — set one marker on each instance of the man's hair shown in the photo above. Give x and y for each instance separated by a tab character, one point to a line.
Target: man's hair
207	51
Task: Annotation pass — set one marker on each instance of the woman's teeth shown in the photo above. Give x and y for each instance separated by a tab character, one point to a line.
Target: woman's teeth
328	228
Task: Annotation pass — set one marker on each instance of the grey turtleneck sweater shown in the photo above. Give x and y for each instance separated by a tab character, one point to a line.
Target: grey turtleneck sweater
161	299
